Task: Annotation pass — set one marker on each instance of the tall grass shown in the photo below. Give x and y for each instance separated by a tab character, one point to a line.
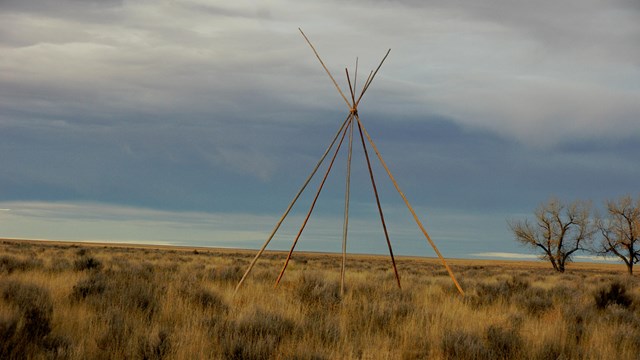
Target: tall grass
64	301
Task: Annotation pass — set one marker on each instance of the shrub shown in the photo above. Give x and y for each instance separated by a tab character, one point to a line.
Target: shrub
94	285
117	334
563	294
551	350
8	330
60	265
256	335
229	274
365	290
498	343
208	299
534	301
305	355
261	324
129	290
460	345
575	329
416	348
377	316
487	294
87	263
313	290
24	334
157	346
10	264
34	304
141	296
616	293
503	343
57	347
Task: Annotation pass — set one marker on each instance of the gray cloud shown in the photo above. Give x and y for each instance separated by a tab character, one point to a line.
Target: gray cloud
554	69
214	106
556	62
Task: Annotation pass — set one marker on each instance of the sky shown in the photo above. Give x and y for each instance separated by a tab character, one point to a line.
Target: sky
195	122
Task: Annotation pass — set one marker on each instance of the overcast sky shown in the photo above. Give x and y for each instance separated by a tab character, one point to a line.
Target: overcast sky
195	122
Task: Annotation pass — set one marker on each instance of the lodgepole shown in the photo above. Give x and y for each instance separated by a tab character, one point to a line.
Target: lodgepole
346	210
406	201
313	204
275	229
375	191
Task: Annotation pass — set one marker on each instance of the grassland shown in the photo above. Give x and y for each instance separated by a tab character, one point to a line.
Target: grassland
95	301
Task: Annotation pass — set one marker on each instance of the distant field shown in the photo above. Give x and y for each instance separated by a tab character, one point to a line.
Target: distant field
88	300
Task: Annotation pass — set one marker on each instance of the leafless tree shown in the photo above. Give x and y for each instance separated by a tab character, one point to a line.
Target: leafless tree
620	230
558	232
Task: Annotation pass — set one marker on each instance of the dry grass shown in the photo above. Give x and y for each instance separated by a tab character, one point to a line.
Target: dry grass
79	301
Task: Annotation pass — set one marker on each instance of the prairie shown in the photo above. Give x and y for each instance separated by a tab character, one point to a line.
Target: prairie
106	301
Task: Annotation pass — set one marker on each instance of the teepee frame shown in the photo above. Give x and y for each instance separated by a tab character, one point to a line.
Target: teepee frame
352	120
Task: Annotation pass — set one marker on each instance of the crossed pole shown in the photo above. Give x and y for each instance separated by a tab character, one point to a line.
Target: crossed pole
347	126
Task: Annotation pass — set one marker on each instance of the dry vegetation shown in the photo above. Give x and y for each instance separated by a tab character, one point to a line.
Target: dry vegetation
80	301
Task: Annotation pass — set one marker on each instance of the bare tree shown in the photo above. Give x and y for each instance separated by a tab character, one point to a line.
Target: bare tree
620	230
558	232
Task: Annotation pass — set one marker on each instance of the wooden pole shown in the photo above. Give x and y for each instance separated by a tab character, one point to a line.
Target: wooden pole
370	80
355	77
346	210
353	99
313	204
415	216
375	191
366	82
275	229
325	68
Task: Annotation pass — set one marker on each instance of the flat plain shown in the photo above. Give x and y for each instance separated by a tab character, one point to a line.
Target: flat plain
63	300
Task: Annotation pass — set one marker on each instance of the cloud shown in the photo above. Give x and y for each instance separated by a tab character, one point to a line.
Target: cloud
543	73
546	112
214	106
599	30
100	222
555	71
